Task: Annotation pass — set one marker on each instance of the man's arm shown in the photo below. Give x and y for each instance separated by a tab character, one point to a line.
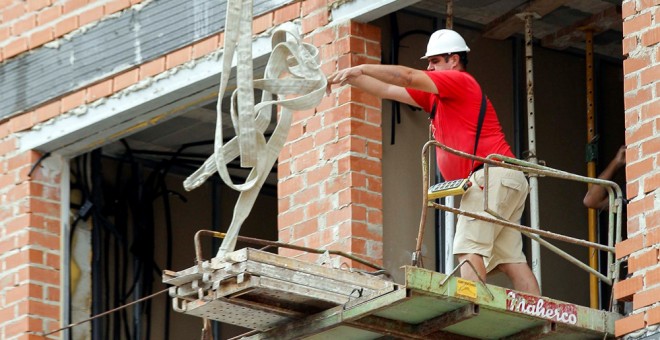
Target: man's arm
385	81
597	197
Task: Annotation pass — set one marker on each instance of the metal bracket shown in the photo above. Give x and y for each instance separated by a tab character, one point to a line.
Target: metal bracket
492	297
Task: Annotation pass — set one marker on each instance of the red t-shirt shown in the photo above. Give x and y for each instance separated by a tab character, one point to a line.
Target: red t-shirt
455	121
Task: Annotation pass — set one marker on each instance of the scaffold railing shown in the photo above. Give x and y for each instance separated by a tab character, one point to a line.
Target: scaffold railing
531	169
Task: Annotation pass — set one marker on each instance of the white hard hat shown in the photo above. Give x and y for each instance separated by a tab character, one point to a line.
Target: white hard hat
445	41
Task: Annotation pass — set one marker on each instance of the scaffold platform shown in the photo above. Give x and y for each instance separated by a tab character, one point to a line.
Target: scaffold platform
284	298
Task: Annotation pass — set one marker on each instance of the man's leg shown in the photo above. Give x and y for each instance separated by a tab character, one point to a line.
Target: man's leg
522	277
477	262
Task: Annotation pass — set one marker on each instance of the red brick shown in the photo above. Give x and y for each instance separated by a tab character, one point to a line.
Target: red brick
291	217
152	68
314	21
631	65
641	206
646	4
262	23
49	14
73	100
629	44
651	110
4	33
14	12
15	47
125	80
179	57
365	31
308	194
312	5
26	23
205	46
53	261
39	308
651	36
628	324
646	298
632	118
650	75
53	294
90	15
289	186
6	146
632	188
23	292
286	13
369	199
628	9
624	290
639	97
21	122
35	5
319	208
629	246
72	5
22	325
65	26
653	316
100	90
41	37
653	219
325	37
47	111
306	161
645	260
636	134
116	6
636	23
639	169
652	277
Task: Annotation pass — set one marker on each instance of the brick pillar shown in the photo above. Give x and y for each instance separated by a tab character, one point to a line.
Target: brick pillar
330	170
641	30
29	242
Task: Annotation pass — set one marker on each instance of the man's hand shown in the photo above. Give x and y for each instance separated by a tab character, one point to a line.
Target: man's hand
343	77
620	157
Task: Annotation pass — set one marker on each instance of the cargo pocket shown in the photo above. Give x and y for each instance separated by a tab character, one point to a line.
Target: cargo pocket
475	234
509	196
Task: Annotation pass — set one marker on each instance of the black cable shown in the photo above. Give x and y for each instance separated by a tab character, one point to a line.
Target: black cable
34	167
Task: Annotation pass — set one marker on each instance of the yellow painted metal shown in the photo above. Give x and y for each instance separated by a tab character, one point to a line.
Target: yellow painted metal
591	165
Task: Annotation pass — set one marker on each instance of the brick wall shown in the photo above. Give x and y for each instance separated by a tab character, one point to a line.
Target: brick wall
641	31
330	178
30	226
29	244
28	24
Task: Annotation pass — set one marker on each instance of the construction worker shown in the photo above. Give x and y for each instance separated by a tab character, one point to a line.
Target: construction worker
457	97
596	197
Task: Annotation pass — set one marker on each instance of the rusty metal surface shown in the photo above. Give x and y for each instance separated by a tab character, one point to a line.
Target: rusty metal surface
259	290
615	198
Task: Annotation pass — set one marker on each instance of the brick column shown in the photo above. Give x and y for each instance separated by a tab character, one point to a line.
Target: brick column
330	170
29	242
641	30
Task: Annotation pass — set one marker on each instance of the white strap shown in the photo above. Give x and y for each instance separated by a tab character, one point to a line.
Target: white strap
292	79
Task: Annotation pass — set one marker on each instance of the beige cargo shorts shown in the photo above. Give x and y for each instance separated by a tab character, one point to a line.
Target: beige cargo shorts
506	196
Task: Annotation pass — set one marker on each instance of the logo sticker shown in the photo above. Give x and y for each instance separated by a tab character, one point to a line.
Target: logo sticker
466	288
540	307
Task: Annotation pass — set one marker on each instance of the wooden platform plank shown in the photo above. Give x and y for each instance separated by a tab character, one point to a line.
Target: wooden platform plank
356	278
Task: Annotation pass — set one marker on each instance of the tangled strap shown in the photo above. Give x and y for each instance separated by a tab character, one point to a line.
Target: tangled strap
292	79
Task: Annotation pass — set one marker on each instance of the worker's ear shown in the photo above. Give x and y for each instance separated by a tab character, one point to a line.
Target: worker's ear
454	60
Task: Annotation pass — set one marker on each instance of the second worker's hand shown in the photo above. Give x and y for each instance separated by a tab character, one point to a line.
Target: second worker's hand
342	77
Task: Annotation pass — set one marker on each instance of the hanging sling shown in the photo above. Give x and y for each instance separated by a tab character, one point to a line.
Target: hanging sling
458	186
